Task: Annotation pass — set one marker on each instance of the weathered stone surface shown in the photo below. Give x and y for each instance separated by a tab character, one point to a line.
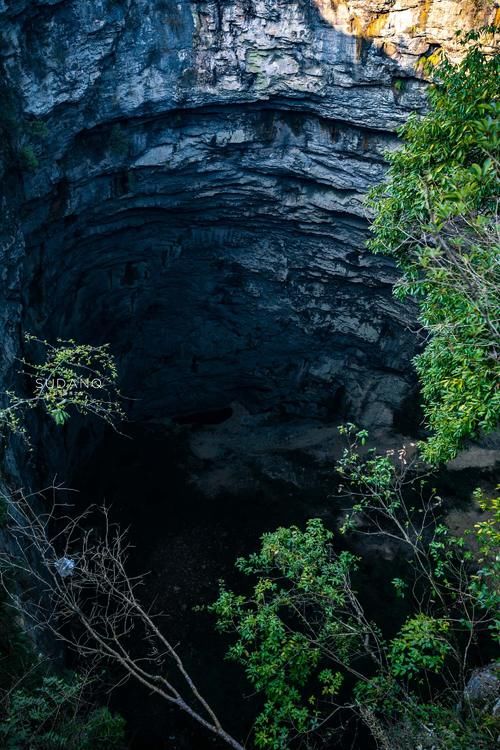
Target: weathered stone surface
198	199
483	688
408	28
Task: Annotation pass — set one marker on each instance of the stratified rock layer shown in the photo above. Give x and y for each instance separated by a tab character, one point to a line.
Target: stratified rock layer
198	199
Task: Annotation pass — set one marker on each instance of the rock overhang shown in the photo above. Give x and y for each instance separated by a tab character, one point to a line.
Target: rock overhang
199	199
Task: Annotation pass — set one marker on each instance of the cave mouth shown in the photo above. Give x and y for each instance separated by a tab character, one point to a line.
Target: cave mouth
220	253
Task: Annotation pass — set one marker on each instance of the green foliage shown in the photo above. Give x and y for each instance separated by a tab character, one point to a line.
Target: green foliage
71	376
37	129
27	159
29	132
419	725
54	716
298	573
17	658
309	648
40	712
437	216
17	134
485	584
400	587
420	645
447	729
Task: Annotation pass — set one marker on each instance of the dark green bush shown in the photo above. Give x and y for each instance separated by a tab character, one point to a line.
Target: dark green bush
55	716
437	216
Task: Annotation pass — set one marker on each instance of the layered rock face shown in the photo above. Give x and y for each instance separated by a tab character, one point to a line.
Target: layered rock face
198	198
408	28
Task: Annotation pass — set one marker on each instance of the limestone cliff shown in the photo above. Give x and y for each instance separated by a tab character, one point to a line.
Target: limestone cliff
197	199
404	29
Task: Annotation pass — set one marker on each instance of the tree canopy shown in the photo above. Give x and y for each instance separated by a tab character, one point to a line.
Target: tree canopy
437	216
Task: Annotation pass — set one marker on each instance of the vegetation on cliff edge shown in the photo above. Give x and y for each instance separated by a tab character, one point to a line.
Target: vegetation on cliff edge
437	216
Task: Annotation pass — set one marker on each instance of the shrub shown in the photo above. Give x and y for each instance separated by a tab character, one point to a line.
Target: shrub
55	716
27	159
71	376
436	215
307	644
17	657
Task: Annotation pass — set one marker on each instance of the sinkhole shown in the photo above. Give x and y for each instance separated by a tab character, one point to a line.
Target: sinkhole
188	185
220	252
